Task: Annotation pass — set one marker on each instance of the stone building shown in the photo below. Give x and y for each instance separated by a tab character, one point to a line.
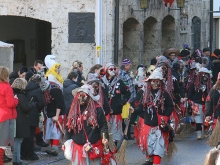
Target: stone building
40	27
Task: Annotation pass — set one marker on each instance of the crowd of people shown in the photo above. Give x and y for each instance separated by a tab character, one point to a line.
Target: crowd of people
95	113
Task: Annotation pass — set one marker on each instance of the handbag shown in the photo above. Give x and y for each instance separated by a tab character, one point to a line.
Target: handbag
94	150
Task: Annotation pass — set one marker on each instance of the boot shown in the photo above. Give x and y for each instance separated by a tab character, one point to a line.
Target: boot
199	135
2	152
7	159
148	163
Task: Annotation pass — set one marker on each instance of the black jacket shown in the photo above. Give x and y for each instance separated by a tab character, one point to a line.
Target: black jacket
106	106
57	102
13	76
121	96
93	134
168	109
197	96
216	70
23	108
79	78
211	104
68	86
30	73
35	94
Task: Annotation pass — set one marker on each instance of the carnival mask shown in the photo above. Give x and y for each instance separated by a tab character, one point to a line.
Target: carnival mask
83	98
155	84
111	71
205	77
95	86
164	70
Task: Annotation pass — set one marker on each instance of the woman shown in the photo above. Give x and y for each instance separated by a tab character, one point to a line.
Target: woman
8	103
22	125
53	73
94	71
212	105
157	106
197	94
87	122
77	67
35	94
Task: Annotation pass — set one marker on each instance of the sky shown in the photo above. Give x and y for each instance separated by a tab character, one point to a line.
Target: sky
216	7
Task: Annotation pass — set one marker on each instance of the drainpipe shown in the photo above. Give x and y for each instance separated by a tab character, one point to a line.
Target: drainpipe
211	24
98	31
116	31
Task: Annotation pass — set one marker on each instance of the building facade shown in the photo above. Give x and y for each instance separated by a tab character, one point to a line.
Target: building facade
41	27
216	25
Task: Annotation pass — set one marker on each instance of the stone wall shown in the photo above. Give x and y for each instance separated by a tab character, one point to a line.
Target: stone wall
145	39
163	29
56	12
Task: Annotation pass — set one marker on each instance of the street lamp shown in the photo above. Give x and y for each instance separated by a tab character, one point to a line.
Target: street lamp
144	4
180	5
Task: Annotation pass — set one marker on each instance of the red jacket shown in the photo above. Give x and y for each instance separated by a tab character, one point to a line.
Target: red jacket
7	103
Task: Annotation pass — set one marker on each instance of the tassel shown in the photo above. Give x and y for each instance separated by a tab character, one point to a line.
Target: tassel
171	150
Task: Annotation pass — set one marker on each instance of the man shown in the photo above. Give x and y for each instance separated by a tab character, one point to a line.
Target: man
171	54
34	70
124	75
207	53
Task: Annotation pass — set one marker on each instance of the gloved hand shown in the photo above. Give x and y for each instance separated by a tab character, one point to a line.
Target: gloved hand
164	127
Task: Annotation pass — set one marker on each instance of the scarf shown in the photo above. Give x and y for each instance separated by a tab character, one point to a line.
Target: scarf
52	71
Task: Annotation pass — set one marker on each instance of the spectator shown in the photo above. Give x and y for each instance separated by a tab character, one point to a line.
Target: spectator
171	55
215	54
22	125
8	103
35	94
69	85
216	67
206	54
94	71
20	74
152	66
34	70
53	73
77	67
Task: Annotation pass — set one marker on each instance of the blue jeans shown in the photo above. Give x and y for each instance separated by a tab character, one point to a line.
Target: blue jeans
17	149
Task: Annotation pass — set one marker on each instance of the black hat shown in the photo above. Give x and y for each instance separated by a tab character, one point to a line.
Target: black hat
153	61
206	49
23	69
184	53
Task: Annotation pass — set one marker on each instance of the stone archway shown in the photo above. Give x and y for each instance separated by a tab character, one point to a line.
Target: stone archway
168	32
151	35
196	33
31	38
131	37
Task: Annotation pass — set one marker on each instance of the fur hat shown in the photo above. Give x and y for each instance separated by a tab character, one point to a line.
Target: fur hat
184	53
204	70
156	74
86	89
50	61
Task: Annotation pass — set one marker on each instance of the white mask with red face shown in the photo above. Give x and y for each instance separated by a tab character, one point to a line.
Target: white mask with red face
111	71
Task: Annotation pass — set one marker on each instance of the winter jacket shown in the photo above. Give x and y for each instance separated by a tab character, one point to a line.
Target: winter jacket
93	134
23	108
7	102
211	103
79	78
197	96
68	86
118	96
153	119
12	77
35	94
216	70
57	102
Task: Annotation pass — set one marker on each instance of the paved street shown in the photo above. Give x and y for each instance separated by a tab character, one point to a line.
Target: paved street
190	152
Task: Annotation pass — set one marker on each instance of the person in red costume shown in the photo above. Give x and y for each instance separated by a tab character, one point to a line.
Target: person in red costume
157	106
